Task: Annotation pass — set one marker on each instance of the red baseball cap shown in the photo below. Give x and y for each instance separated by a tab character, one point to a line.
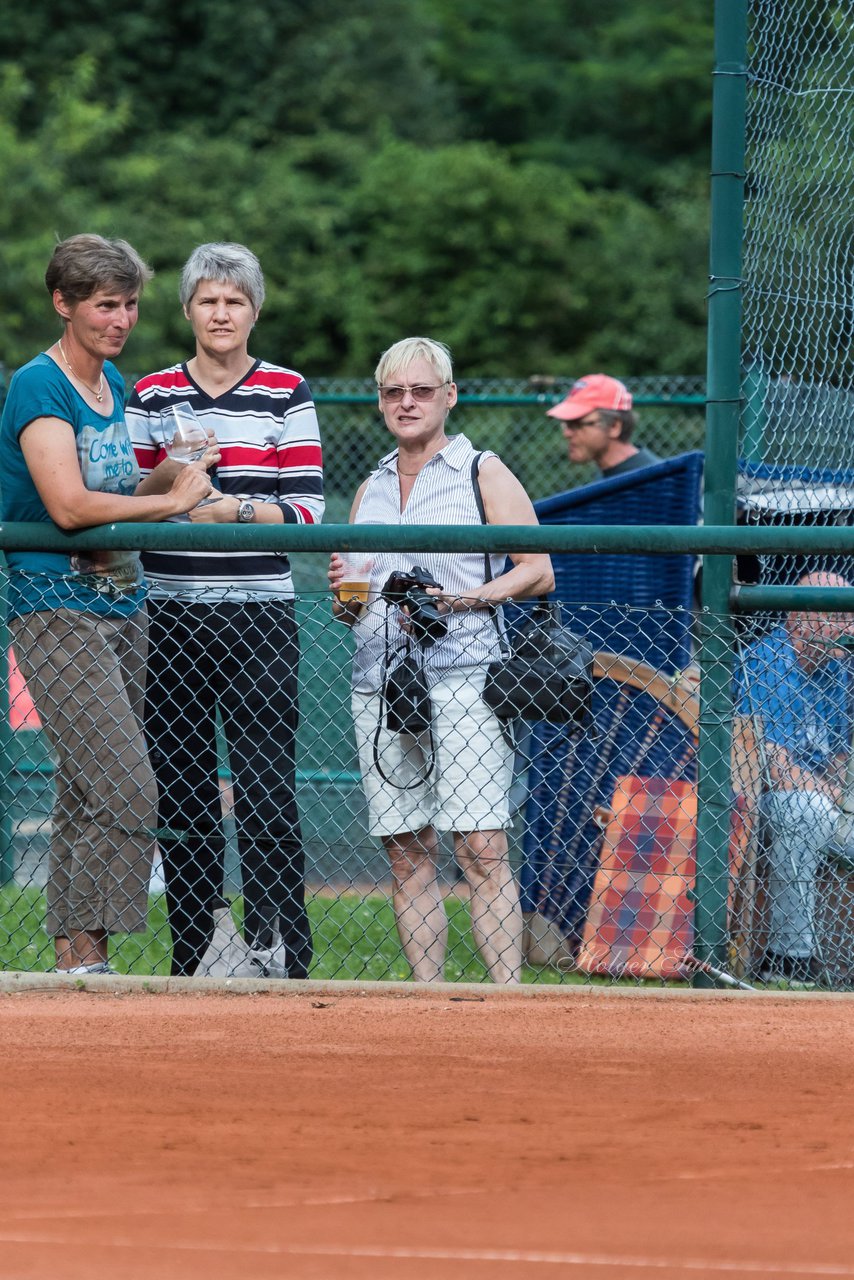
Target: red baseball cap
593	391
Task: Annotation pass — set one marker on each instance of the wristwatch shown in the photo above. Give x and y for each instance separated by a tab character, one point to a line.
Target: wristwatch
246	513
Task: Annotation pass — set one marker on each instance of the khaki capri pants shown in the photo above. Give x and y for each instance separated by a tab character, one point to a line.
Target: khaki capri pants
86	676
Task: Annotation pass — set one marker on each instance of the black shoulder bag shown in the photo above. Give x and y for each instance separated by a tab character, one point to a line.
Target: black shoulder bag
547	672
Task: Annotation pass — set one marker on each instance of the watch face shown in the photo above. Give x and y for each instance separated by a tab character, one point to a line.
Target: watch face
245	512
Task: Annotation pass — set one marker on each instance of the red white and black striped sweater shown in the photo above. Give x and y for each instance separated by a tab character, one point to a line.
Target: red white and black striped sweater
267	430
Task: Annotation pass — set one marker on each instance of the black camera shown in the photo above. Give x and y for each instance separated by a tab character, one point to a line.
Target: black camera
408	590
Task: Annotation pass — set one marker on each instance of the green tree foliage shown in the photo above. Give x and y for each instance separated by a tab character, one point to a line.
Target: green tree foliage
613	91
530	189
265	68
43	194
517	264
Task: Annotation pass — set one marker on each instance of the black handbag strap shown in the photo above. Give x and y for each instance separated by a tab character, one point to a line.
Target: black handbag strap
506	727
487	566
481	511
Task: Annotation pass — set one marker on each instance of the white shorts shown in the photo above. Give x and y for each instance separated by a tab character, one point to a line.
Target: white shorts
469	784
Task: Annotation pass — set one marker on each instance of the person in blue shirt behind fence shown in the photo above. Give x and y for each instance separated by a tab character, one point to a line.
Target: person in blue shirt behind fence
795	683
78	622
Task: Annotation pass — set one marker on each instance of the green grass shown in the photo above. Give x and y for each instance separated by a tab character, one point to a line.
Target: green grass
354	938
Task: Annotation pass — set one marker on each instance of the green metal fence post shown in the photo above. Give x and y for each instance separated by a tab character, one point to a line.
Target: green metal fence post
722	422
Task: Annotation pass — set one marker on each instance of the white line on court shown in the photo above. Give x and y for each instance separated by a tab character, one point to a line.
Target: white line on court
528	1256
701	1175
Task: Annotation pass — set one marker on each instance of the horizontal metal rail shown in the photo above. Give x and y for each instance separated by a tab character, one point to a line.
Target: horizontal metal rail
578	539
501	400
824	599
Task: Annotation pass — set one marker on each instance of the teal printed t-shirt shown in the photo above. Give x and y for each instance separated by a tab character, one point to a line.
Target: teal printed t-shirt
110	585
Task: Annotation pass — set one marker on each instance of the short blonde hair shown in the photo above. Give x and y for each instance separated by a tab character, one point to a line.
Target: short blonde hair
403	353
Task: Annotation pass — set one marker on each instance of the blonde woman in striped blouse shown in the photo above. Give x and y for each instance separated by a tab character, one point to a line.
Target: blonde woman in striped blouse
457	778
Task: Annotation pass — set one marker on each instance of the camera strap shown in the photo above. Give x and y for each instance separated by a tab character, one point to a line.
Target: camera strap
411	658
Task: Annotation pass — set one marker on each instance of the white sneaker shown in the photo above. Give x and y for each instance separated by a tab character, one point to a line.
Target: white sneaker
81	970
257	962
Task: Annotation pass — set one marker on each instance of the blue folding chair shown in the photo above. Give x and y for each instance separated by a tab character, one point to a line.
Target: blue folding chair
636	613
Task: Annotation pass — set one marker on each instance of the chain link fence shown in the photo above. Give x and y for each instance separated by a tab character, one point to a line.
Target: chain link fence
507	415
587	870
233	851
598	877
797	430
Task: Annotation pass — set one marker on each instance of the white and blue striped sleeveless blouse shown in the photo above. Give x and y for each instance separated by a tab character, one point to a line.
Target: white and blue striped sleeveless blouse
442	494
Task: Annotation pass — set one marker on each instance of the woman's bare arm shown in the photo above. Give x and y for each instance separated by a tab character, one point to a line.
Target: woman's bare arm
50	452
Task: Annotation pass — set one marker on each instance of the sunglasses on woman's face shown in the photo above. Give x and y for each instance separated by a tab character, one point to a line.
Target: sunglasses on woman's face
394	395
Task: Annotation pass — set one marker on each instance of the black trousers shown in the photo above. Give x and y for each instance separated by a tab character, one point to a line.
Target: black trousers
242	660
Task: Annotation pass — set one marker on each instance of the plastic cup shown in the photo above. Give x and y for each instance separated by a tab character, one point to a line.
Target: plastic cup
356	583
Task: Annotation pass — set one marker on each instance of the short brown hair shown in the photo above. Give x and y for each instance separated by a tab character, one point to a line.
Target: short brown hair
83	264
625	417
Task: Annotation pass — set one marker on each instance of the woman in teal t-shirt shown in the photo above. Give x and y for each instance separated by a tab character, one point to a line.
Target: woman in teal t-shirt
78	623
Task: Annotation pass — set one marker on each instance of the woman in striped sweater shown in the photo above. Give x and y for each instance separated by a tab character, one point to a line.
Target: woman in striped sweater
223	633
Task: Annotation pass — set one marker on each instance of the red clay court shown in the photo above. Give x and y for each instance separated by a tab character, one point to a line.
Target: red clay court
323	1133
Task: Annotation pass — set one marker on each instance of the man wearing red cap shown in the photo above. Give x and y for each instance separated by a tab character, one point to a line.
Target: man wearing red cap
598	422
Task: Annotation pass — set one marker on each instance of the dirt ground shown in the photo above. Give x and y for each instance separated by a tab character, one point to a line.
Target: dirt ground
347	1136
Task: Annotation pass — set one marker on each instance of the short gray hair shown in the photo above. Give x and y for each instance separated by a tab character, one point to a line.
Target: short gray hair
83	264
403	353
226	264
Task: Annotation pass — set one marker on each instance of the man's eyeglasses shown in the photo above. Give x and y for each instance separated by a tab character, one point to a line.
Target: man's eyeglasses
394	395
578	424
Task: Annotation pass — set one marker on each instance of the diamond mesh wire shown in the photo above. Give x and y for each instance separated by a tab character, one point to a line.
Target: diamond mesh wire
601	833
504	414
798	426
507	415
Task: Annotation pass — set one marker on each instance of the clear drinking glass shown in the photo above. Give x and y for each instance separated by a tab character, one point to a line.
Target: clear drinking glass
184	438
